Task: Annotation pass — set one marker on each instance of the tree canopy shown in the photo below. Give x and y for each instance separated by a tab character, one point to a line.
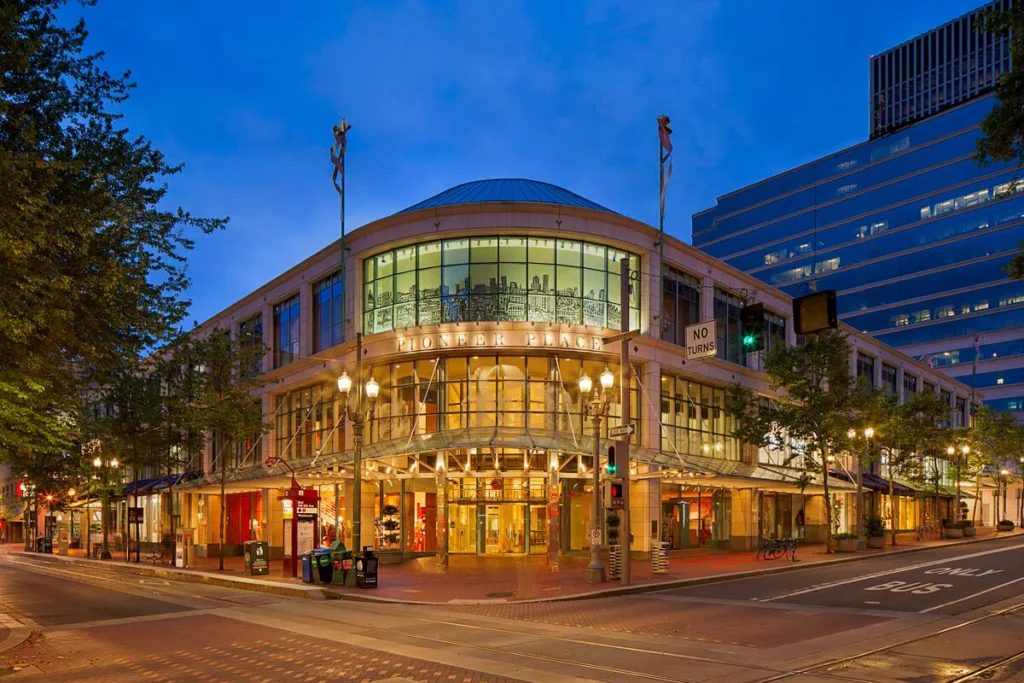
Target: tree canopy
93	260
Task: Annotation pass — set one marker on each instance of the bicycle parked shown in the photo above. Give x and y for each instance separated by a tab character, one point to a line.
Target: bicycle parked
774	548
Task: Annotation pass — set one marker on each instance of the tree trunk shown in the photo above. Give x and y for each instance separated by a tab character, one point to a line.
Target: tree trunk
977	495
828	504
223	503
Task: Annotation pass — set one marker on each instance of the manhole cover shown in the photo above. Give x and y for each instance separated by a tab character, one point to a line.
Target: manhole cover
500	595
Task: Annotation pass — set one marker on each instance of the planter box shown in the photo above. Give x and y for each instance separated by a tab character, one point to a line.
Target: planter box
846	545
1005	527
953	533
876	542
970	531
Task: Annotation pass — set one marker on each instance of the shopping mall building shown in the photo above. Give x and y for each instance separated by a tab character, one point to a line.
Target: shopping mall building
479	310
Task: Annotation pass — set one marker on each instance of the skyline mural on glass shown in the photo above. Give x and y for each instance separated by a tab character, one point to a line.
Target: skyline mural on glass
495	279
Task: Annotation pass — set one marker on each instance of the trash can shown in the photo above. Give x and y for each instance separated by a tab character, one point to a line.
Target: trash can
307	567
324	568
341	558
44	544
257	555
366	568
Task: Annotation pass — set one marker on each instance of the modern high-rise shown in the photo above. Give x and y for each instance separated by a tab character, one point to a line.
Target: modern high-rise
909	230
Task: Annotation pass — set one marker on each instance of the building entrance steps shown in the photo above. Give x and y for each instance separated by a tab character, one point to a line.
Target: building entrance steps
482	579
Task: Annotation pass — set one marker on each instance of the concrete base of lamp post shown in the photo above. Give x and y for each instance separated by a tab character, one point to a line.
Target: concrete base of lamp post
105	554
595	573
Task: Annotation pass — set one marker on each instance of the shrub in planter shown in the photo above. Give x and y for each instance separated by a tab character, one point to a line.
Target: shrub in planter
970	529
874	530
953	530
1005	525
391	527
845	543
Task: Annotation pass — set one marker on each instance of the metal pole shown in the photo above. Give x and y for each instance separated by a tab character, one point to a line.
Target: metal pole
595	570
860	501
357	456
661	238
623	446
338	178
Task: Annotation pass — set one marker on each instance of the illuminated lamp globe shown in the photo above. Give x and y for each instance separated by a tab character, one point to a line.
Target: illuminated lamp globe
372	389
586	384
344	383
607	379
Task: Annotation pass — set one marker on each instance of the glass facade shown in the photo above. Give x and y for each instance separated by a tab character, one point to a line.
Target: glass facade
328	327
538	279
304	422
907	228
286	332
250	333
680	304
527	392
694	420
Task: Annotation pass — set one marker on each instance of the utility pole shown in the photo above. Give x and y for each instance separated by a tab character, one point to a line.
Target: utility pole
623	446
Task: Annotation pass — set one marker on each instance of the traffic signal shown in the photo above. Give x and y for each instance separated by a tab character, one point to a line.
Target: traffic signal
815	312
752	327
613	467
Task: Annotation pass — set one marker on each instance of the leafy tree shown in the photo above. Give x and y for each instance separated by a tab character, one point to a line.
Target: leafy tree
995	439
818	402
229	412
1002	128
93	261
904	434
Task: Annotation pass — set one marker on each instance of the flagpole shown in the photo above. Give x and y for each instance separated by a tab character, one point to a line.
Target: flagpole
664	151
338	178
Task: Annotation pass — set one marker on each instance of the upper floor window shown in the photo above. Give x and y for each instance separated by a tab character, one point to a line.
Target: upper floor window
727	327
928	386
960	413
889	378
328	327
774	331
286	332
866	368
680	304
539	279
250	334
909	385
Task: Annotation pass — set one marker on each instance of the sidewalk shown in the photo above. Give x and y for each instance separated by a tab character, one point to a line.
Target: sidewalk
505	579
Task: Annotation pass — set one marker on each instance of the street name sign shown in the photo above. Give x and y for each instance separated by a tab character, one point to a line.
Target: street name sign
700	340
621	431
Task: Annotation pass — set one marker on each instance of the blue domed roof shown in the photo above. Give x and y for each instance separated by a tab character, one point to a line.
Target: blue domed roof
506	190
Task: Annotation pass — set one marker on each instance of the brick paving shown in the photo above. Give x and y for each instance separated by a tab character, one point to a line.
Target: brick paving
708	623
473	577
209	648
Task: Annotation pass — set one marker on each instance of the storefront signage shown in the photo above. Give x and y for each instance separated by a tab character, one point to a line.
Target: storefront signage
494	339
134	515
700	340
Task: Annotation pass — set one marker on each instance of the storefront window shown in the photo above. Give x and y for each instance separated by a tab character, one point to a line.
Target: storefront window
426	396
540	279
305	423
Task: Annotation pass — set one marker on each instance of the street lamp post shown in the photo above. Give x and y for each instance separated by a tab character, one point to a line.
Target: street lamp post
104	469
869	433
597	408
357	418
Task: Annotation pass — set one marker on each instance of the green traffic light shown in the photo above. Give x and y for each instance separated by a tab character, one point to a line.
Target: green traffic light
748	340
612	469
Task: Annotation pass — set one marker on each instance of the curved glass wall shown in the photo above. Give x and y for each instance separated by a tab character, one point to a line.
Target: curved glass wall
536	392
538	279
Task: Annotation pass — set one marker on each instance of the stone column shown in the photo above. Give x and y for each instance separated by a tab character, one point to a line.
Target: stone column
441	481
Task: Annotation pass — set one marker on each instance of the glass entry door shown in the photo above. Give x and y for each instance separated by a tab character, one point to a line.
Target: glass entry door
505	529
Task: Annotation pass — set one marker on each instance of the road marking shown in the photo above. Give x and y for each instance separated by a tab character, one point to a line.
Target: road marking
987	590
914	587
843	582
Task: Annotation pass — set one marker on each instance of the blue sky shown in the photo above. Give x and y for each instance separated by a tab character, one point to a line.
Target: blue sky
440	93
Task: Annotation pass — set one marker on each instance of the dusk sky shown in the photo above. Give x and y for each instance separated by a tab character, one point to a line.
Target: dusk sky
440	93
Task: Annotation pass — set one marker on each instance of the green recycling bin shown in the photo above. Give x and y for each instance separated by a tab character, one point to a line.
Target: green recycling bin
324	568
342	561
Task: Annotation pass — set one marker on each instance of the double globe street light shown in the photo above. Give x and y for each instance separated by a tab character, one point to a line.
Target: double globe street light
869	433
358	418
104	468
596	404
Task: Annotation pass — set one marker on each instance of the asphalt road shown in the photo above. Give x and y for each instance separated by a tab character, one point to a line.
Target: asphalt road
944	581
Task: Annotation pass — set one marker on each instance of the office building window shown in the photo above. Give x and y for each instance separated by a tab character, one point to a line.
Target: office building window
727	327
680	304
695	422
960	414
328	327
889	378
909	385
250	334
866	368
286	332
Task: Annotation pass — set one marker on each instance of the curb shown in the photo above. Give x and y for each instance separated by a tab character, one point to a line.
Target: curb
185	576
18	635
319	593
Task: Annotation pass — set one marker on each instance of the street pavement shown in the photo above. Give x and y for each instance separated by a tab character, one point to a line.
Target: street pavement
822	623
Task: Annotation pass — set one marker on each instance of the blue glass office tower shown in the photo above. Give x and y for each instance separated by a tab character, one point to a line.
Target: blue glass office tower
910	231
